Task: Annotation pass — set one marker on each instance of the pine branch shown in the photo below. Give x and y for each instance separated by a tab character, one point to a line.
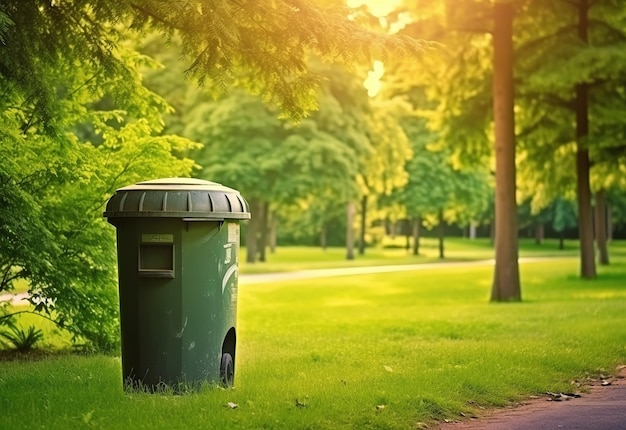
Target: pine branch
155	17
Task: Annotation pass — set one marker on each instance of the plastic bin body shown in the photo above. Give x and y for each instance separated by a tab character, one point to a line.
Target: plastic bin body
177	290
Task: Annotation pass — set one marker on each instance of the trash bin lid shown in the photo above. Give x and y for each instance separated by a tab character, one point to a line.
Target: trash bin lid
193	199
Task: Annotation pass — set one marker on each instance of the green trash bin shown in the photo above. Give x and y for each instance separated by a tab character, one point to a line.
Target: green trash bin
178	254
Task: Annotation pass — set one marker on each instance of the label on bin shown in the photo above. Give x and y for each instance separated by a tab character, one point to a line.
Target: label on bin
233	232
157	238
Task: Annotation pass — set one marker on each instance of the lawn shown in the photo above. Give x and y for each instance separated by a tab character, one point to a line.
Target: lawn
388	351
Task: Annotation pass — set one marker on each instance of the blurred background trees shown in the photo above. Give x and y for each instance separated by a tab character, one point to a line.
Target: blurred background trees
331	121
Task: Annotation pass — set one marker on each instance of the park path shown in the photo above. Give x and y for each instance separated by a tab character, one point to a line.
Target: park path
368	270
263	278
603	408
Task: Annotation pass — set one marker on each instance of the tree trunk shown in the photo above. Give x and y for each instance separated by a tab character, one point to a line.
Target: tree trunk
273	231
252	232
601	235
539	231
323	237
561	241
264	226
609	222
585	216
363	224
506	281
350	213
416	235
407	235
472	230
440	231
392	226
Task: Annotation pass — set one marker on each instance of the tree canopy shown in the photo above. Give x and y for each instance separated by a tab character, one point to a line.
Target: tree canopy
259	44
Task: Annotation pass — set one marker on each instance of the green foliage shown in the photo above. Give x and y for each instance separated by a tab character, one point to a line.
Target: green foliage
561	214
247	145
44	41
66	250
20	339
434	184
75	124
384	166
552	60
312	164
455	87
294	167
564	215
263	45
617	202
260	45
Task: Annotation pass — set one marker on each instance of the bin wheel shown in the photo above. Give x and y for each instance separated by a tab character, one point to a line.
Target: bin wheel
227	370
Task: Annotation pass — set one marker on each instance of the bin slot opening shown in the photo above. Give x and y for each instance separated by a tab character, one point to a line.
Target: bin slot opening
156	260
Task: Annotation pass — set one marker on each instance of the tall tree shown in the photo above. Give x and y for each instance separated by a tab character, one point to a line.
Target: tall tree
463	116
506	282
573	66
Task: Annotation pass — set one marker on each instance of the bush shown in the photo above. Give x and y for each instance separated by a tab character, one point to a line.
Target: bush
22	340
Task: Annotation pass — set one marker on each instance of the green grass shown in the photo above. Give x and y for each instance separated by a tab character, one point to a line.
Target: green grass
425	345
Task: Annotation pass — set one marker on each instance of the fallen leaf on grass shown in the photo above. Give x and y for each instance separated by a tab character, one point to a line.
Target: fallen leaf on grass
388	369
87	417
232	405
380	407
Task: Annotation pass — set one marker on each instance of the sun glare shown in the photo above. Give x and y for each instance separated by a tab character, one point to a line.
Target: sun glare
379	8
372	83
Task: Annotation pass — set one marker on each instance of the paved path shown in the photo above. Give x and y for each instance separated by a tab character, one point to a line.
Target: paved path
604	408
349	271
264	278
